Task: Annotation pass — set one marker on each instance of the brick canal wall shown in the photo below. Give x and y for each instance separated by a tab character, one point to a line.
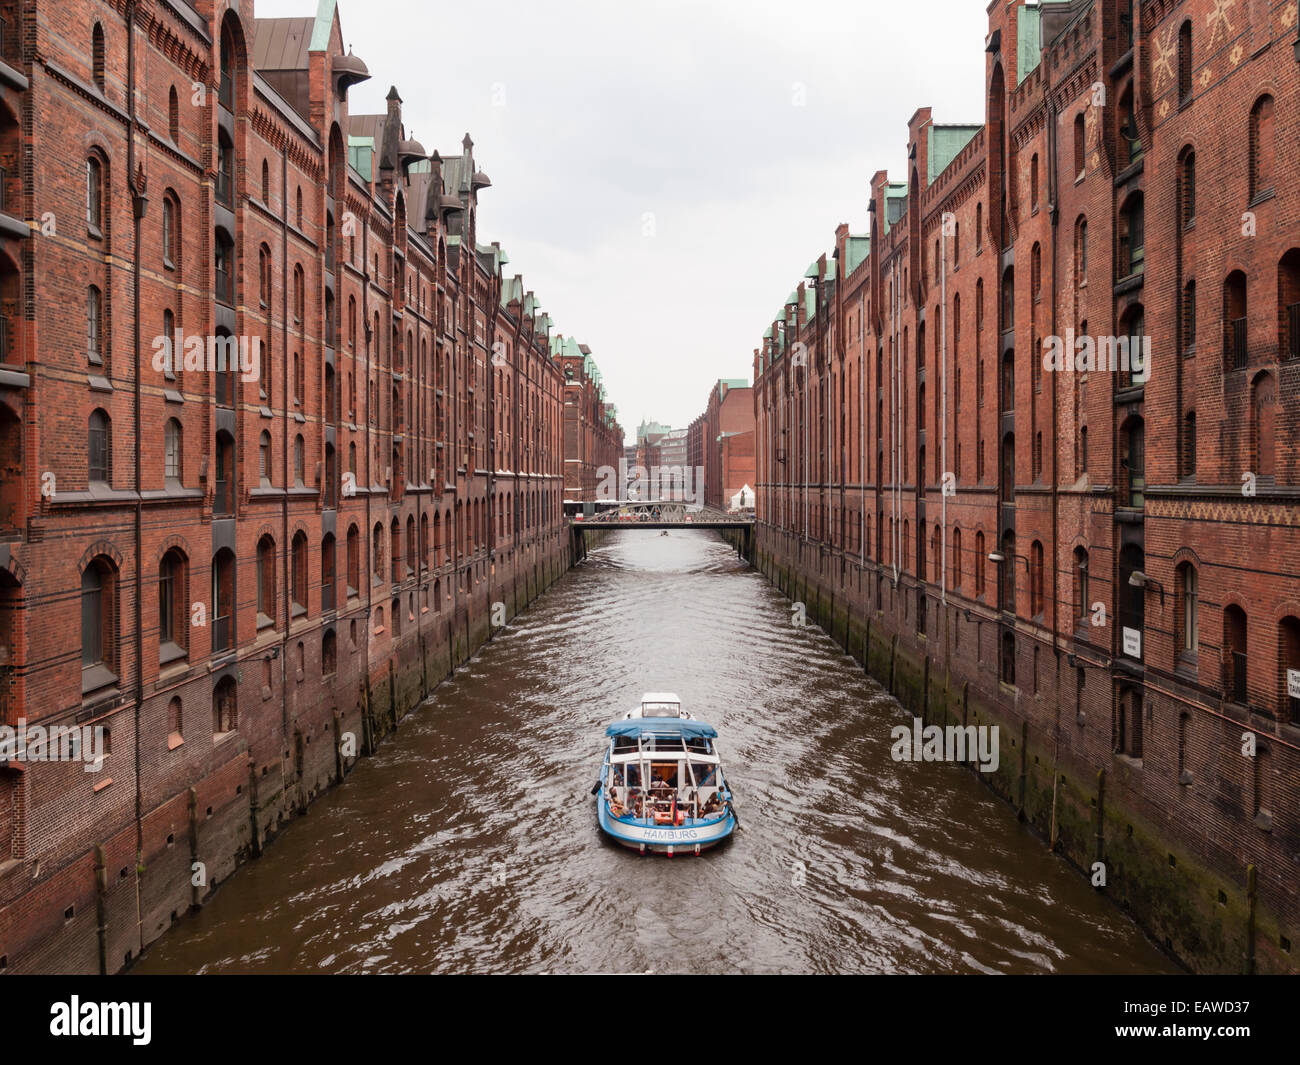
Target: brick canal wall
298	735
1190	866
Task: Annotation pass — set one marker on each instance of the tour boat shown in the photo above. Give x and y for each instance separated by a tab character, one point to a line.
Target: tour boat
661	787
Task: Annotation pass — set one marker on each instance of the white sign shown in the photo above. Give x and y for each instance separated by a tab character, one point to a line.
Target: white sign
1293	683
1133	643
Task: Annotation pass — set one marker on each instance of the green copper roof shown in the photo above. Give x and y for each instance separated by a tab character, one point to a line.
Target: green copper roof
1029	38
945	143
360	153
320	34
856	250
895	202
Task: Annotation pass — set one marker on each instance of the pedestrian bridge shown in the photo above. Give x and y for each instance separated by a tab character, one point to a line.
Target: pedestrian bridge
659	514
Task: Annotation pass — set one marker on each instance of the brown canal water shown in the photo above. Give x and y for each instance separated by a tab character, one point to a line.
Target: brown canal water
469	843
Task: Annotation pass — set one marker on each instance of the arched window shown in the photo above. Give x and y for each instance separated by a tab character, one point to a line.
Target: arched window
1186	611
1234	321
1263	423
224	267
1008	298
223	601
99	448
94	196
1079	587
97	55
354	560
226	86
328	551
1187	453
1261	148
264	275
1081	250
94	326
1033	183
264	459
980	559
223	504
266	607
298	461
1036	598
170	230
395	551
1130	138
955	566
172	439
266	183
98	625
377	553
298	573
1189	318
1288	303
1187	188
173	606
979	228
329	653
1132	461
1080	147
225	169
298	208
1132	237
1234	654
1185	63
1007	661
1007	571
175	723
225	707
173	116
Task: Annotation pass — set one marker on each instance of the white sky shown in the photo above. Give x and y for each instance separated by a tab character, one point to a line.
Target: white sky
745	130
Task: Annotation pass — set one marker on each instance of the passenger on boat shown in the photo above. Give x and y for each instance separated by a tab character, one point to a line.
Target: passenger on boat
712	806
616	806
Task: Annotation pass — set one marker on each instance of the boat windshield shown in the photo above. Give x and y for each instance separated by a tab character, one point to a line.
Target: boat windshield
661	709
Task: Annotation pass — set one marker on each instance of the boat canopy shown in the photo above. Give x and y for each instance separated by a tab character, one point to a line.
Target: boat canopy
687	728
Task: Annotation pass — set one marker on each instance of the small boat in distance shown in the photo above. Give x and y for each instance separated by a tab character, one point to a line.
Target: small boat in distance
661	787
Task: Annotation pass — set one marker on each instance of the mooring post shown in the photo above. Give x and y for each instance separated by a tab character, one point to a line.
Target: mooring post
1101	813
1251	895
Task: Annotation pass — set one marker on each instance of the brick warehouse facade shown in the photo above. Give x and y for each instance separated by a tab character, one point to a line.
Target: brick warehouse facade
263	571
1104	563
593	439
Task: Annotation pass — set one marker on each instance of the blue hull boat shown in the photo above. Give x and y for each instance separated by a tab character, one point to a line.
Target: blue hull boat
661	788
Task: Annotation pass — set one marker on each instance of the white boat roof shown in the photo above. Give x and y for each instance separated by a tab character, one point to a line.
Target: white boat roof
661	697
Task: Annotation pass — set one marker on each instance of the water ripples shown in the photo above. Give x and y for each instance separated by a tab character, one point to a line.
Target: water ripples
469	842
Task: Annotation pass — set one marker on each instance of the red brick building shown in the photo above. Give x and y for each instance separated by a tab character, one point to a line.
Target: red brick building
1104	561
244	577
593	439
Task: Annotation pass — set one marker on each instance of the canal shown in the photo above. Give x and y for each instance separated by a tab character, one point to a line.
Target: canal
469	841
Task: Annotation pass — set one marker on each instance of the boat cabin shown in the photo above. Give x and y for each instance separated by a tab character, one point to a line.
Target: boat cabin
664	771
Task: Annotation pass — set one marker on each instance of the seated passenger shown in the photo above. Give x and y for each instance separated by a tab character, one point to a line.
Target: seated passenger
616	805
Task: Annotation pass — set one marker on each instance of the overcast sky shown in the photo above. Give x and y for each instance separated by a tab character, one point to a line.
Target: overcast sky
663	172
